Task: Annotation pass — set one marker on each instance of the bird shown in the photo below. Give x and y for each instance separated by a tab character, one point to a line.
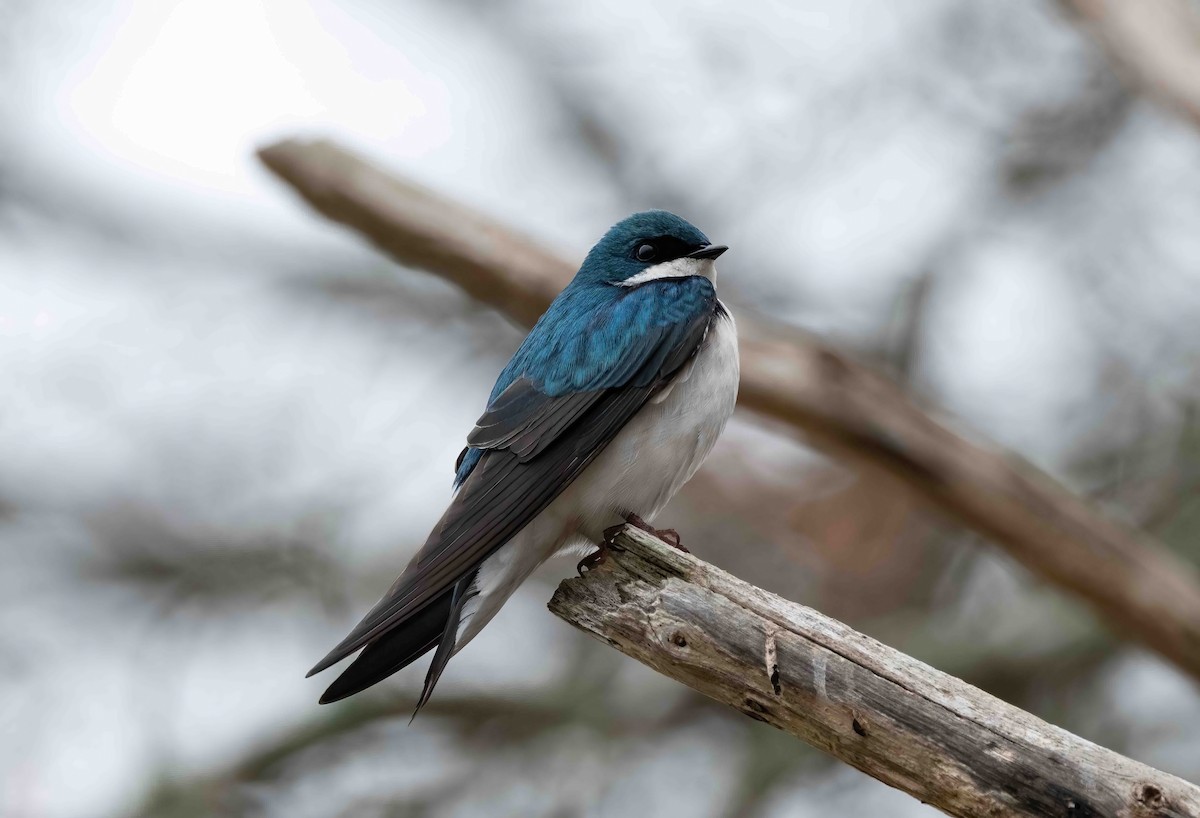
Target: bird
607	408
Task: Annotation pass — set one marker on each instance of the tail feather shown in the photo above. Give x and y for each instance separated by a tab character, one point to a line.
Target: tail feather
394	650
445	649
436	625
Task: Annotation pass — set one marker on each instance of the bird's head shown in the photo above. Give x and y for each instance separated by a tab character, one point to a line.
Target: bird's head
649	246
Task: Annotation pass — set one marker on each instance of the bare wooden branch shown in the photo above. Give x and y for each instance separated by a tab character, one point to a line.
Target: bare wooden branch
1155	44
419	228
842	407
896	719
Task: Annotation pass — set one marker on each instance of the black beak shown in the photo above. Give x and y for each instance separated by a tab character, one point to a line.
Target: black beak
708	251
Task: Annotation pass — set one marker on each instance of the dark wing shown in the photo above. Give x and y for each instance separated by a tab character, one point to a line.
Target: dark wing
534	445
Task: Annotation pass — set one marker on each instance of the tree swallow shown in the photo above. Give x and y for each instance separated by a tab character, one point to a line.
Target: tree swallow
609	406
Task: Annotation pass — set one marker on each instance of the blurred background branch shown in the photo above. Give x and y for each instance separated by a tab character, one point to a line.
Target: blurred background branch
841	406
1155	45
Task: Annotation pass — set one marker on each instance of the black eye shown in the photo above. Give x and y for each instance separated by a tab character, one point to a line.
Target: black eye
646	252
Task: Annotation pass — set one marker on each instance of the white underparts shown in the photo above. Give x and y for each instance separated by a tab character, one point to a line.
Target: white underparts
652	456
675	268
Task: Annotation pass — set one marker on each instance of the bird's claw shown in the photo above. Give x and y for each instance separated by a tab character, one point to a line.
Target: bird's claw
598	556
671	537
592	560
668	535
610	537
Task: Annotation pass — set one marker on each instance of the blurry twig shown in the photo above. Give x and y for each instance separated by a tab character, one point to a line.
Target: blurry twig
1154	43
842	407
896	719
904	335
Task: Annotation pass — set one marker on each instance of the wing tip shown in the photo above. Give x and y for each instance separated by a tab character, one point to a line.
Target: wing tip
329	697
323	665
344	686
343	649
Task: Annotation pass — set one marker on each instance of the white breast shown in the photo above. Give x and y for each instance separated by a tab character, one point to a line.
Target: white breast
663	445
648	461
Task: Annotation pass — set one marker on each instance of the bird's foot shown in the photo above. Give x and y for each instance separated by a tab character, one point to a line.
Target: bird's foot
597	557
592	560
668	535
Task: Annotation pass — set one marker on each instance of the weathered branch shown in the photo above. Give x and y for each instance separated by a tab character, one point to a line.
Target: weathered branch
842	407
1155	44
896	719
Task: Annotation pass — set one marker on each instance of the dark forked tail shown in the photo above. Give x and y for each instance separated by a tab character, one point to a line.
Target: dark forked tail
434	626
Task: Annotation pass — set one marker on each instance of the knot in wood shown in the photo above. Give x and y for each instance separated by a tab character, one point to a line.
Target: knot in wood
1150	796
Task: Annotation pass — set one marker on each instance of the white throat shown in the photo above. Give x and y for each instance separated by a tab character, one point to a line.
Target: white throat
675	268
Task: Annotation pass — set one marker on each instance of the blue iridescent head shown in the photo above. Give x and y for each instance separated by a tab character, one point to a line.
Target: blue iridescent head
647	246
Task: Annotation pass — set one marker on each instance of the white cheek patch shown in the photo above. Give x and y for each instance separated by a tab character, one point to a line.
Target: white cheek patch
676	268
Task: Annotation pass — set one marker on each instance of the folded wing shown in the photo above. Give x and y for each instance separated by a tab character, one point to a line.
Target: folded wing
533	441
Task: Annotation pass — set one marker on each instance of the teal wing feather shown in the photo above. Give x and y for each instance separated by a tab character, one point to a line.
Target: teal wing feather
582	373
